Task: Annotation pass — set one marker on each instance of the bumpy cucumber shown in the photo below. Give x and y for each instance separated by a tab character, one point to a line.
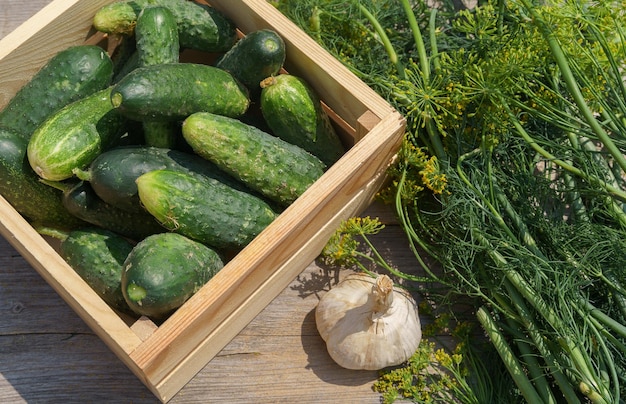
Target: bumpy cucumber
204	209
199	27
22	188
157	36
70	75
164	270
81	201
113	173
293	111
157	43
277	169
256	56
97	255
176	90
72	137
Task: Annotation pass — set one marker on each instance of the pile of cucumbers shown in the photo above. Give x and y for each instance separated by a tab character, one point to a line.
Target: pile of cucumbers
154	171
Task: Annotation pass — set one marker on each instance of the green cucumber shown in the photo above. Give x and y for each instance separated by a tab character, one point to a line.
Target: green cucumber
22	188
200	27
293	112
277	169
70	75
82	202
164	270
176	90
72	137
204	209
256	56
113	173
97	256
157	43
156	36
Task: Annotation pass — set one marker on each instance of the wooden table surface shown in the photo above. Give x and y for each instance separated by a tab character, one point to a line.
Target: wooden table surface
49	355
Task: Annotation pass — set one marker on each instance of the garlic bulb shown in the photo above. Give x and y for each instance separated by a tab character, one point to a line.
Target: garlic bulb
368	323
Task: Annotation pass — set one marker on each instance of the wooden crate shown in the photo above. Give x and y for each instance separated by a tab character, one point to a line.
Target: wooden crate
167	356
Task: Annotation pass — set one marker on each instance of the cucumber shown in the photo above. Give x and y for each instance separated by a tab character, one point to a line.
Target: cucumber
203	209
74	136
97	256
165	270
200	27
157	43
256	56
113	173
277	169
22	188
293	112
176	90
82	202
156	36
70	75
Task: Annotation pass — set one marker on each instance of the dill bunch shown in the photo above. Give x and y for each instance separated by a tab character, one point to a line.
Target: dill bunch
511	177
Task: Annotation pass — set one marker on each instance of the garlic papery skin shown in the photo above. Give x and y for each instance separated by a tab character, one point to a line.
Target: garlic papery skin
368	323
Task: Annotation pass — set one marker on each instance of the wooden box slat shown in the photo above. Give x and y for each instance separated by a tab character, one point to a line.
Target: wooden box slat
167	356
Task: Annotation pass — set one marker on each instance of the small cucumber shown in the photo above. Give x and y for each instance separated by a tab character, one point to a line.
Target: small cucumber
294	113
81	201
22	188
164	270
70	75
156	36
203	209
97	256
157	43
256	56
72	137
176	90
113	173
200	27
277	169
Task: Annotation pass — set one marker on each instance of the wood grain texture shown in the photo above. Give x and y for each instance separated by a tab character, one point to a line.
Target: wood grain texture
48	354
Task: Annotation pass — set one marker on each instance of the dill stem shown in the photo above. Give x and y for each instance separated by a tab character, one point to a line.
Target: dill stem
381	262
538	339
434	55
578	207
508	357
417	38
391	52
596	313
537	376
601	337
579	360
